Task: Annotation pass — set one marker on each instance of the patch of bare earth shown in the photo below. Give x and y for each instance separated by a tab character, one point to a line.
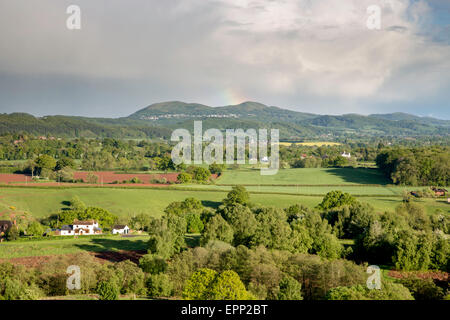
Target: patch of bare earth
435	275
102	257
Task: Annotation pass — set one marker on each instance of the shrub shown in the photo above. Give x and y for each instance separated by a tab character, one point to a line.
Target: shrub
107	290
184	177
92	178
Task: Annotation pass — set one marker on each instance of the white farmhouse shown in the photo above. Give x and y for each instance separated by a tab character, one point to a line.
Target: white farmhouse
80	228
120	229
346	155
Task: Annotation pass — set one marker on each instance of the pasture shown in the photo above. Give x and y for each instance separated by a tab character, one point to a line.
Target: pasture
18	249
288	187
306	176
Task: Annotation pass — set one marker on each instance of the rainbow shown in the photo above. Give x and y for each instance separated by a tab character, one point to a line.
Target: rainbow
233	96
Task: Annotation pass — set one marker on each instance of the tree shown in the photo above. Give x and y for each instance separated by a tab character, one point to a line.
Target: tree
207	284
217	229
201	174
12	233
423	289
131	277
140	221
228	286
216	168
194	223
107	290
336	199
65	163
243	222
273	231
389	291
167	235
45	162
197	286
165	163
35	229
238	194
159	285
153	264
290	289
66	174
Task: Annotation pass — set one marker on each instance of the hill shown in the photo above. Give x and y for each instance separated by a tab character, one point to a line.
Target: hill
159	119
76	127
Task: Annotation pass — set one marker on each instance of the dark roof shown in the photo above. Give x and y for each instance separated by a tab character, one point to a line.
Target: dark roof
84	223
66	227
5	225
119	226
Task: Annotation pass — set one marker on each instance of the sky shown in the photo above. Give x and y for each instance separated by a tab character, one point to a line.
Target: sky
314	56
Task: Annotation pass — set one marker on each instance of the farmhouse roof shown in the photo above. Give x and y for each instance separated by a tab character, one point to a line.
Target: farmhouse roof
5	224
119	226
66	227
84	223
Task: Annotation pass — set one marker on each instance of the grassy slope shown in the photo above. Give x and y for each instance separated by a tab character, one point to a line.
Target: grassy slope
14	249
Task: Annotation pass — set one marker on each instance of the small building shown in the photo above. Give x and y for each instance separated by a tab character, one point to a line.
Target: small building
439	192
120	229
346	155
4	226
66	230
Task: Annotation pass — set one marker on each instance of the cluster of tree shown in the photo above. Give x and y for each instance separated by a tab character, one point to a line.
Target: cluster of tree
416	166
108	281
87	154
79	211
194	174
408	239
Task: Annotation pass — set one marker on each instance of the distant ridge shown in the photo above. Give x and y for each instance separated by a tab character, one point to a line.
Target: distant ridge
159	119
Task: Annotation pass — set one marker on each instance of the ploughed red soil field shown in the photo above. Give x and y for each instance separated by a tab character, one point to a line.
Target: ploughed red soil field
8	178
110	176
104	177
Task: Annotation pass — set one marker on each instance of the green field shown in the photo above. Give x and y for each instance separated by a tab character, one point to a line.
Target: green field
18	249
367	184
41	202
306	176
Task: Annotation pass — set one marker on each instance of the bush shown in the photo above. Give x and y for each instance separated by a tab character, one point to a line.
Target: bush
107	290
184	177
201	174
92	178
